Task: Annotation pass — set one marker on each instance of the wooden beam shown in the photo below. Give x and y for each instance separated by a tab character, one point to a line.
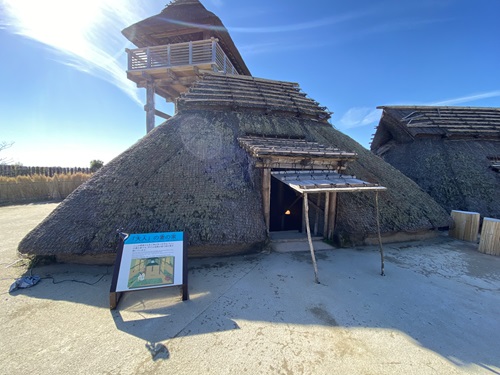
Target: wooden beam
317	164
150	106
184	81
162	114
168	94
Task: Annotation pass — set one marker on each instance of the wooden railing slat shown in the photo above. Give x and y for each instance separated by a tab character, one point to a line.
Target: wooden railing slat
180	54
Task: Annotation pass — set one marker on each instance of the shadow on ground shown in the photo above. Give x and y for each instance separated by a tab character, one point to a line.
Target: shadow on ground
441	293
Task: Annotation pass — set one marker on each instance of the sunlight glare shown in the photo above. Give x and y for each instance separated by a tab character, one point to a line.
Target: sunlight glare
86	33
60	23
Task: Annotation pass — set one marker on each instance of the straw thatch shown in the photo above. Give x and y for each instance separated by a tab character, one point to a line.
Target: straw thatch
449	151
191	174
184	21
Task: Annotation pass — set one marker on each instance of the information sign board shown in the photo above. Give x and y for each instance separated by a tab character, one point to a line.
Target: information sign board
149	260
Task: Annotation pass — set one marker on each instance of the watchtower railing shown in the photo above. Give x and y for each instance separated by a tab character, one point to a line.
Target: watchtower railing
181	54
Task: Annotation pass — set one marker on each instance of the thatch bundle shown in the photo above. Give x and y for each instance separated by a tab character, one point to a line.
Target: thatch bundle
190	174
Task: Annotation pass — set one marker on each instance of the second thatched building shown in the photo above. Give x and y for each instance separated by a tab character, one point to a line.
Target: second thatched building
453	153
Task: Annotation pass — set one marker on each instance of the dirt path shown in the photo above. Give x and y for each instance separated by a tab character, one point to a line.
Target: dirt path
435	312
15	223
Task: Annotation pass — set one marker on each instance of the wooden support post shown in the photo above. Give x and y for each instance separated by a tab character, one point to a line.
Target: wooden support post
332	214
114	297
309	239
266	196
162	114
303	229
382	266
129	58
490	236
185	269
317	215
150	106
325	219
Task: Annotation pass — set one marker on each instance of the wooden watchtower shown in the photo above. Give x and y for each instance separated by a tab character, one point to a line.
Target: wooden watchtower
174	48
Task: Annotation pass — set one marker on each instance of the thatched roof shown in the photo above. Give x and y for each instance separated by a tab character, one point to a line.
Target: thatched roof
262	147
184	21
401	124
229	92
449	151
191	174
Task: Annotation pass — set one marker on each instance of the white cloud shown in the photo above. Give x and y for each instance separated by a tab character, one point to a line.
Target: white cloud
469	98
85	35
217	3
359	116
300	26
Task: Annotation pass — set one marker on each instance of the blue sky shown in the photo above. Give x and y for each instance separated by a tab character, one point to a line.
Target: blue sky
65	99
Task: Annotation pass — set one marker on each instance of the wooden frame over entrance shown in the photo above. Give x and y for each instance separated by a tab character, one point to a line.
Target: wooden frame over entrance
308	168
281	157
295	154
328	182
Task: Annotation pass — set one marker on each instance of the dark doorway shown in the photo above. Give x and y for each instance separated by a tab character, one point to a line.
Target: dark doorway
286	207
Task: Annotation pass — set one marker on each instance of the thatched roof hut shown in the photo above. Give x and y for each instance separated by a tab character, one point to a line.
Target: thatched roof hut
195	173
450	152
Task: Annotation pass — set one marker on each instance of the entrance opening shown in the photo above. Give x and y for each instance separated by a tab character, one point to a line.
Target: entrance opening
286	207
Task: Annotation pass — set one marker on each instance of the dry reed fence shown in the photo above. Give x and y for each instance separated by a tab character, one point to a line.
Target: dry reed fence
39	187
21	170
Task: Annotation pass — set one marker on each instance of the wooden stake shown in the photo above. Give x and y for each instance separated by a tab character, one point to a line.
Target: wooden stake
309	239
382	272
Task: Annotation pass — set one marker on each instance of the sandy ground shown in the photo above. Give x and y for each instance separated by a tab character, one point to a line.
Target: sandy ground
435	312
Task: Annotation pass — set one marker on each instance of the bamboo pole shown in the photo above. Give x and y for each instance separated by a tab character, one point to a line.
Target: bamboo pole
382	271
309	239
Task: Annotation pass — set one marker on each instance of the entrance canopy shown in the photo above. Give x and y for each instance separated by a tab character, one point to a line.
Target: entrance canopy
317	181
279	153
308	168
